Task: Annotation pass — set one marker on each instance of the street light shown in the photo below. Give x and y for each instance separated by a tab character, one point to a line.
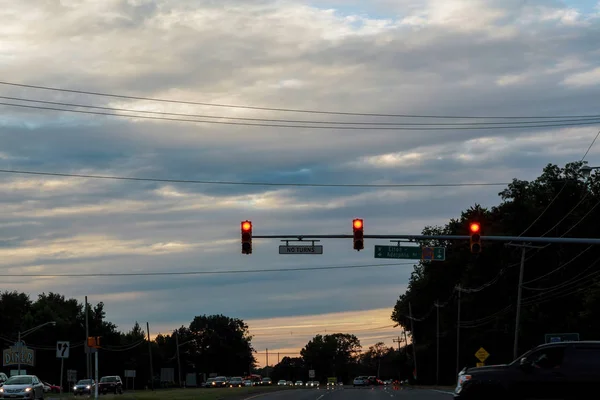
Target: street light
21	335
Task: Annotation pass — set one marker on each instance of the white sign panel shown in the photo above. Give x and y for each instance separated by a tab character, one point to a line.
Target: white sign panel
62	349
311	373
71	375
300	249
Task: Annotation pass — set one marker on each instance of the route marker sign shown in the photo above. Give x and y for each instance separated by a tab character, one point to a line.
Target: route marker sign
411	252
301	249
311	373
62	349
482	354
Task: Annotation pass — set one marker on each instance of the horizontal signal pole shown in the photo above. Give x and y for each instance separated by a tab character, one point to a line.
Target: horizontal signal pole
521	239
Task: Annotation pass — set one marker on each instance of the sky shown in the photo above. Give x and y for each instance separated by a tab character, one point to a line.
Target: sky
431	57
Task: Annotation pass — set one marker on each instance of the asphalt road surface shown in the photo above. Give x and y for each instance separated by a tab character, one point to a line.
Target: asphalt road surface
350	393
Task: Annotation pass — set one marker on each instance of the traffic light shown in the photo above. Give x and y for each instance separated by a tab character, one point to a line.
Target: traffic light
93	342
475	229
357	227
246	237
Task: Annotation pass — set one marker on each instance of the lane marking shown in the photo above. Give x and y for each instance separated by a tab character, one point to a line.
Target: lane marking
441	391
264	394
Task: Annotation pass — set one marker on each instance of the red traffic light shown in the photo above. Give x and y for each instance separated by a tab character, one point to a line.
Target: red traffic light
475	227
357	227
246	226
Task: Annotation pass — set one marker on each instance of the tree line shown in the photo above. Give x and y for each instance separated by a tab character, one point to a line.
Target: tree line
560	291
341	355
211	343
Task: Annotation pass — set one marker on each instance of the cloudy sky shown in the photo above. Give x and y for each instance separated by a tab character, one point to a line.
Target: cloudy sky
524	58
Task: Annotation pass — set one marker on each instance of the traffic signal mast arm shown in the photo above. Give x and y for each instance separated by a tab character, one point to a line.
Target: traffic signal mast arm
521	239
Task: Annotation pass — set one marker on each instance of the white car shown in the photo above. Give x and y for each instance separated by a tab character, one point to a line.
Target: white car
299	383
360	381
23	386
281	383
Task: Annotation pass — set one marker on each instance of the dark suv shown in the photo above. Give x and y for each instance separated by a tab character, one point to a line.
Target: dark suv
566	370
110	384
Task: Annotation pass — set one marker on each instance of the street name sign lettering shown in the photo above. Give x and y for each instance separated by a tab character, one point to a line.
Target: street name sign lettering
411	252
482	354
300	249
62	349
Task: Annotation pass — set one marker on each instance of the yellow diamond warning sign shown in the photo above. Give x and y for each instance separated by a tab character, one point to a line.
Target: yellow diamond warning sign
482	354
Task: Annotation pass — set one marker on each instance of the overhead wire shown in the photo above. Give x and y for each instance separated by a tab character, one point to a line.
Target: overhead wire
558	268
278	109
249	183
293	121
214	272
549	124
545	210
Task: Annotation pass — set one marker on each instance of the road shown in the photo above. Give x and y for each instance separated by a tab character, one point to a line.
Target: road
350	393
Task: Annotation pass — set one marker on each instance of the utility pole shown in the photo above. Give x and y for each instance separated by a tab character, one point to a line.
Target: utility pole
458	332
437	344
150	354
267	362
524	248
278	358
405	341
398	341
412	335
87	335
178	359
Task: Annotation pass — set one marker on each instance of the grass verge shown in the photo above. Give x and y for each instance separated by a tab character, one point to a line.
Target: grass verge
180	394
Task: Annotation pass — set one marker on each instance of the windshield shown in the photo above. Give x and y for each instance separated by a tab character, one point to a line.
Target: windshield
85	382
108	379
518	359
19	380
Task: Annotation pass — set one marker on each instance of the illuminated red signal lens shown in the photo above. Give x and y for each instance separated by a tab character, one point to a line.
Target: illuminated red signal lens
246	226
357	223
475	227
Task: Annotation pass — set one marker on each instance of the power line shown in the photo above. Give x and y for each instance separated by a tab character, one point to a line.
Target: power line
215	272
294	121
273	125
248	183
561	190
49	88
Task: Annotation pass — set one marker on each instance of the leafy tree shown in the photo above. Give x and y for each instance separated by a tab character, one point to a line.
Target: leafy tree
290	369
559	280
332	355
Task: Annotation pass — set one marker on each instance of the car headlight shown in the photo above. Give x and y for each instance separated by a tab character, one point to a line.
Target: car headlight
88	386
28	389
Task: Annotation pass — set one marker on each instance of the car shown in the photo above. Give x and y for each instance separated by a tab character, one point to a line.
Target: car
299	383
281	382
360	381
110	384
220	382
84	386
556	370
210	382
22	386
236	381
266	381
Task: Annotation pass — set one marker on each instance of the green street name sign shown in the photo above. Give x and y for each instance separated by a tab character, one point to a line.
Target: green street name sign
411	252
